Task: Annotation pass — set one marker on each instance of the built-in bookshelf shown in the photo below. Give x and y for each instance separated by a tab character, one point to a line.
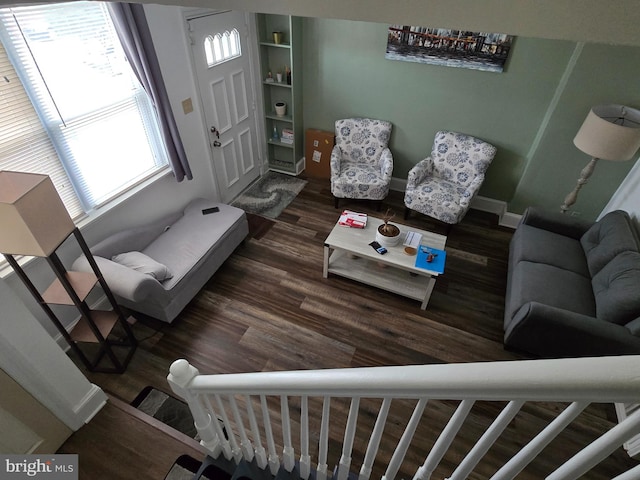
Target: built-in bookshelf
280	42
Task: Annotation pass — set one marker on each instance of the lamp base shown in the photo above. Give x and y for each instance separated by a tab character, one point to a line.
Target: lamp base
571	198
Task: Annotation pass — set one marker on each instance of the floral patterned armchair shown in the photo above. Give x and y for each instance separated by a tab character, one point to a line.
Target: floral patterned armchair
361	162
443	184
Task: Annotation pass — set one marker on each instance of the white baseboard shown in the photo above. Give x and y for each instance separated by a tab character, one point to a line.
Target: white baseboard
91	404
484	204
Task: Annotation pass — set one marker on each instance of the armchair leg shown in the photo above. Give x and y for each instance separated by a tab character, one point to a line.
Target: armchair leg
407	211
336	200
378	205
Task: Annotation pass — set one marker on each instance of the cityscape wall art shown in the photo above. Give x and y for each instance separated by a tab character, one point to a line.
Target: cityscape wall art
451	48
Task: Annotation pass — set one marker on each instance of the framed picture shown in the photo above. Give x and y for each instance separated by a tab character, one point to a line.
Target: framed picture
451	48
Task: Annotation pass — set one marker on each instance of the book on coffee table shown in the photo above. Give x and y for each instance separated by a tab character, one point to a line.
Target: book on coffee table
438	258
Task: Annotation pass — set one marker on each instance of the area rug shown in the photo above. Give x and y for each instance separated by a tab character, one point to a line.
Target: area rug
169	410
270	195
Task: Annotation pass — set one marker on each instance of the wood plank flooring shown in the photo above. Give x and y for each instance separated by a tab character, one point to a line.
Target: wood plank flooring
268	308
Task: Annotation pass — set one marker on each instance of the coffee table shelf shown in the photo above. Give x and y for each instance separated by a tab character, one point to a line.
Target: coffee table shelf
347	253
373	273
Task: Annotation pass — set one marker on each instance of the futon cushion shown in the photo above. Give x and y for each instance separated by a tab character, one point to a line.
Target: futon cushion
549	285
543	246
617	289
144	264
609	236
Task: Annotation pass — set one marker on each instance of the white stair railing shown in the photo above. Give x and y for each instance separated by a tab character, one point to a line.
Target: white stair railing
577	382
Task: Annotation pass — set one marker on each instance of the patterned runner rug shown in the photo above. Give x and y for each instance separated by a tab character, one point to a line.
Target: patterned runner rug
270	195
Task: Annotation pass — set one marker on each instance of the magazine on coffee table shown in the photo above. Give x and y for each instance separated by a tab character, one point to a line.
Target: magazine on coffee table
431	259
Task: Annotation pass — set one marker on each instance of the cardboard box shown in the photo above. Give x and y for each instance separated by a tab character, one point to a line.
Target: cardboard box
317	152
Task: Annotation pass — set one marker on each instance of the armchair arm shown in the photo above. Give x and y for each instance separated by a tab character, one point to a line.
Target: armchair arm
123	281
418	173
472	190
386	164
555	222
336	157
552	332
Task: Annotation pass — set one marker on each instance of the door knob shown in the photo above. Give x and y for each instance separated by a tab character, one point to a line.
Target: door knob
216	143
215	131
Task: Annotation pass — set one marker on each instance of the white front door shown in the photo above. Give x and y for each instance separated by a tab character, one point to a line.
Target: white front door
223	64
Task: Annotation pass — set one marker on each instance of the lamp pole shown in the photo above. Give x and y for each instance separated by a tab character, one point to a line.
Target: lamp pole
585	173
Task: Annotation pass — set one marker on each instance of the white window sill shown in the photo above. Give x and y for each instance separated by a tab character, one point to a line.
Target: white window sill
92	216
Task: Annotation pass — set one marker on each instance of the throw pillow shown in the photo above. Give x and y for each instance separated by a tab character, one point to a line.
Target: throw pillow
616	289
144	264
606	238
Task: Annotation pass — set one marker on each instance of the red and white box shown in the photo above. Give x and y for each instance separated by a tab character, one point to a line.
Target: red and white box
353	219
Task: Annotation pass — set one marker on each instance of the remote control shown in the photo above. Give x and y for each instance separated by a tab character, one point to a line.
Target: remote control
207	211
378	248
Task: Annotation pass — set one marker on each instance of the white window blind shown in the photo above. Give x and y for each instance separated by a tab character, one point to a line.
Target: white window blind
97	115
24	143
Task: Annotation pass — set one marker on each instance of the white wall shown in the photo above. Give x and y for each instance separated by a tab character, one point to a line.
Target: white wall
32	358
627	197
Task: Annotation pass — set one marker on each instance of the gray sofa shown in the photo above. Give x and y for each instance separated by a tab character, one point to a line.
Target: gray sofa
156	269
573	288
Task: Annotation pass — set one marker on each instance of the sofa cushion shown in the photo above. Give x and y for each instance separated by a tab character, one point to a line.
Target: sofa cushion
144	264
187	241
549	285
617	289
609	236
543	246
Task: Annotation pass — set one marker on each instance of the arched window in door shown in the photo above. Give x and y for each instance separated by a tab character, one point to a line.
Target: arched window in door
221	47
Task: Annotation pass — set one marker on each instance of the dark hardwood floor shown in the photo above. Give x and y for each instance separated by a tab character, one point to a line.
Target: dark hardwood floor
268	308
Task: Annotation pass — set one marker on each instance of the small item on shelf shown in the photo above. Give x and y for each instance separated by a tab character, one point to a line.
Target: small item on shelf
274	135
287	72
353	219
269	78
287	136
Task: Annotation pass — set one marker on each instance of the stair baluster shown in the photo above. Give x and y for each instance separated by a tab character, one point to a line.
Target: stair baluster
288	454
260	452
274	460
374	441
349	435
323	447
405	441
305	458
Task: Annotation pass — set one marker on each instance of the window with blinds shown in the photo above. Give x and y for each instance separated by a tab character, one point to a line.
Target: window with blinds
91	106
24	143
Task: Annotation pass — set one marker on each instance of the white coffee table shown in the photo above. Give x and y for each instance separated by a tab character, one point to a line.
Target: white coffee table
347	253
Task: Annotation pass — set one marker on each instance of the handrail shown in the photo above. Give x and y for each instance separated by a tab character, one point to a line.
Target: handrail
577	381
600	379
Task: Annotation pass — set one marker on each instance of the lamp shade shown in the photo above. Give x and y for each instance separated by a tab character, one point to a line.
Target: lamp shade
33	219
610	132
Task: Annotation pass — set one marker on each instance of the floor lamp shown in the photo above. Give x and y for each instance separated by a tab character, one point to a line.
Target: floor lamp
610	132
34	222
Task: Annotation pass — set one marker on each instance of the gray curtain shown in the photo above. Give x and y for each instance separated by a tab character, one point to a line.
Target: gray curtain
135	36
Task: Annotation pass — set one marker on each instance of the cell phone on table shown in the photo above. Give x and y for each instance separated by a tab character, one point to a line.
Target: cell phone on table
378	248
207	211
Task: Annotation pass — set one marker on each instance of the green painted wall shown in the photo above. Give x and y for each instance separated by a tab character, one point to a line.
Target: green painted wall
346	74
602	74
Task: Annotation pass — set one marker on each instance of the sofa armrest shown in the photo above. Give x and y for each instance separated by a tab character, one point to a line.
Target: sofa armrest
555	222
123	281
551	332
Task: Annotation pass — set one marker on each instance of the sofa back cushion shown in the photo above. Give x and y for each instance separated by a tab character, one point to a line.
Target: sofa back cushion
609	236
616	289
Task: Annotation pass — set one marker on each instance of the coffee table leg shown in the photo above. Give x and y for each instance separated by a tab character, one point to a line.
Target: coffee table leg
325	267
430	285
